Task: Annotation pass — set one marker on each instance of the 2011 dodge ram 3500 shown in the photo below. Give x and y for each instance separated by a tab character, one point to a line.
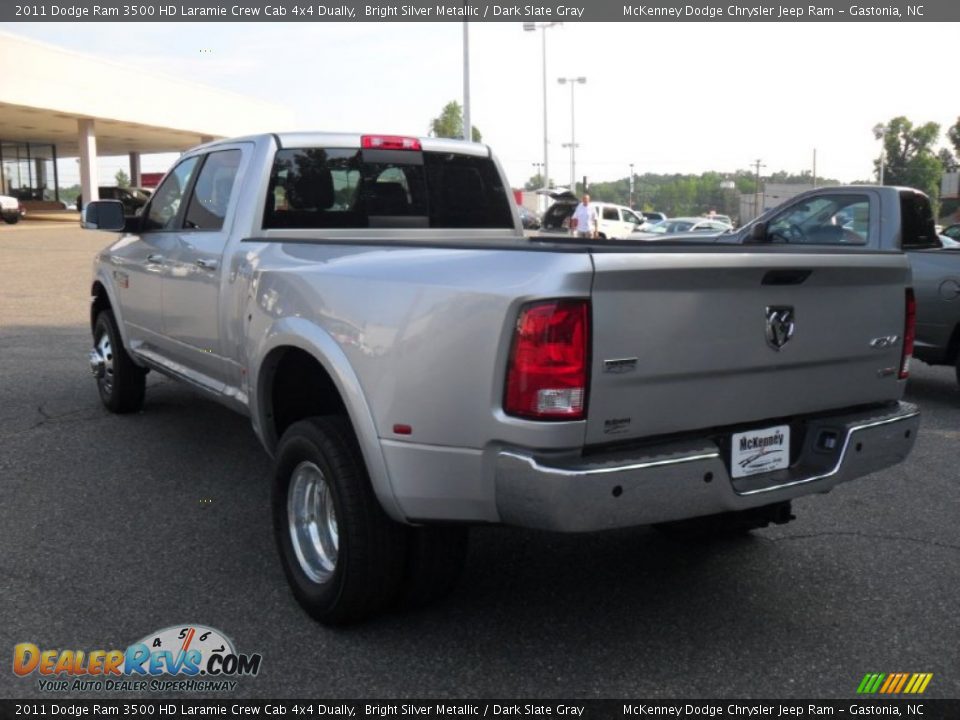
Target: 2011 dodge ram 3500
415	364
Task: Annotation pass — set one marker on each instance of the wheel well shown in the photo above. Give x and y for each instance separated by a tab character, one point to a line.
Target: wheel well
99	301
297	386
953	347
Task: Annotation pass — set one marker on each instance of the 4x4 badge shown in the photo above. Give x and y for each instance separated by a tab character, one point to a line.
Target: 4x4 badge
780	325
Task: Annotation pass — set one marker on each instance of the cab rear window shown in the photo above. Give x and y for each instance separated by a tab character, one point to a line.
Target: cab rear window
318	188
919	231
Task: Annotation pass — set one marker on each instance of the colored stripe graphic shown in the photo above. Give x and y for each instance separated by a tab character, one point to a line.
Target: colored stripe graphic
894	683
903	680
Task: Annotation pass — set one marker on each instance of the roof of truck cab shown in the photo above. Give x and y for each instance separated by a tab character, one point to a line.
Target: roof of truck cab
353	140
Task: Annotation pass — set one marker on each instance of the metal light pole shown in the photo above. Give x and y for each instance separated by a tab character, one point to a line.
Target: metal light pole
880	132
573	133
530	27
631	187
757	205
467	127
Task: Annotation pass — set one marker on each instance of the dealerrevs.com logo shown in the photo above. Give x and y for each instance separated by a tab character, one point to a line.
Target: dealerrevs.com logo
181	658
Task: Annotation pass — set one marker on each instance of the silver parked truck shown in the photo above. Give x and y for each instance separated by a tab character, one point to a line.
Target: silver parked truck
416	365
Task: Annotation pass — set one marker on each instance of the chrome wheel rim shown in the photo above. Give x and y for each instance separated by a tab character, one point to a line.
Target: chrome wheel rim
105	349
312	521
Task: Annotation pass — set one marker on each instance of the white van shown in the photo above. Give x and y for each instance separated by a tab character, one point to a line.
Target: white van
613	221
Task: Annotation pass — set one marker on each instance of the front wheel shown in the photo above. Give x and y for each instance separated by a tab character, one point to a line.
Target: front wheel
12	218
343	557
120	382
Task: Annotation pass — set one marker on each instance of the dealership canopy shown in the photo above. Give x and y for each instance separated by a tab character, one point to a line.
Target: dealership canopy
59	103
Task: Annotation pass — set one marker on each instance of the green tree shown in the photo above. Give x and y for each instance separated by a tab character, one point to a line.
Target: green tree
123	180
449	124
910	159
948	160
534	183
953	134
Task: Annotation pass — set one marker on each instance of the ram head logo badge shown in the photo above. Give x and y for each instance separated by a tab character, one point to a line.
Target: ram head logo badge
780	325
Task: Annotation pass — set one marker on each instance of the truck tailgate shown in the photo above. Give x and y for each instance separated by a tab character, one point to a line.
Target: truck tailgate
680	339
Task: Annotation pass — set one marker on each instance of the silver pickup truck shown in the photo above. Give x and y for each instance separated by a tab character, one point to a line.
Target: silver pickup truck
415	364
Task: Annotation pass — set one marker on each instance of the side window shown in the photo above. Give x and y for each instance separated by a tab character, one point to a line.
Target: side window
166	200
840	219
610	213
211	193
630	217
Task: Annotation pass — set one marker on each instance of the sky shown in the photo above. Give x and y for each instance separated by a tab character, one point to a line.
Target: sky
669	97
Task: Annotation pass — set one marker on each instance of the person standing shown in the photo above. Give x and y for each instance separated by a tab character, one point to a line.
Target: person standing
585	219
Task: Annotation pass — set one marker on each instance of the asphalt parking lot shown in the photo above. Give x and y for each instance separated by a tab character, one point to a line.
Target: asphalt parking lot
113	527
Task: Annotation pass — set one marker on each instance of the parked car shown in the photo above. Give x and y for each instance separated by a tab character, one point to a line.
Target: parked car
11	210
686	225
936	283
654	217
416	363
952	231
132	198
529	219
613	221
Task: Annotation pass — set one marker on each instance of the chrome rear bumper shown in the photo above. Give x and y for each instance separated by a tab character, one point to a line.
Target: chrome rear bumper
688	479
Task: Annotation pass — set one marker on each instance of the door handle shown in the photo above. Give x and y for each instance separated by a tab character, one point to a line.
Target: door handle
155	259
207	264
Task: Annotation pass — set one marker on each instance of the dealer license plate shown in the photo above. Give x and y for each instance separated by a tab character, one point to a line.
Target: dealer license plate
760	451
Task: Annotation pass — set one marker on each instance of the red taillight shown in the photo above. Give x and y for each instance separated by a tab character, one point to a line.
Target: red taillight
547	374
389	142
909	334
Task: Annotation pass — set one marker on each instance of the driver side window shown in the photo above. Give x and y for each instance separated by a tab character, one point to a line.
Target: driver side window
840	219
165	203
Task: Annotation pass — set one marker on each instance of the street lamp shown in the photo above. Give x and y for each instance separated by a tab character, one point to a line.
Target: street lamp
631	186
531	27
880	133
467	126
573	136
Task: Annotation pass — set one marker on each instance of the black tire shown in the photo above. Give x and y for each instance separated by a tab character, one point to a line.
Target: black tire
957	368
122	384
435	559
370	548
12	219
729	524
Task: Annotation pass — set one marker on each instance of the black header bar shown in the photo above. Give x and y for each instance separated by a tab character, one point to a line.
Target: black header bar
919	707
475	11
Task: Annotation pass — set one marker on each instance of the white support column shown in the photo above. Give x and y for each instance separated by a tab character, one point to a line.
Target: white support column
87	140
135	169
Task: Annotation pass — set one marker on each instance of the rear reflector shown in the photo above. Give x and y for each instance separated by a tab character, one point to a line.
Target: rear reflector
909	334
549	359
389	142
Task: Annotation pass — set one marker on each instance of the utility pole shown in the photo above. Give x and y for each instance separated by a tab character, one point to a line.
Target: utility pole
631	187
543	27
467	126
814	167
756	203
